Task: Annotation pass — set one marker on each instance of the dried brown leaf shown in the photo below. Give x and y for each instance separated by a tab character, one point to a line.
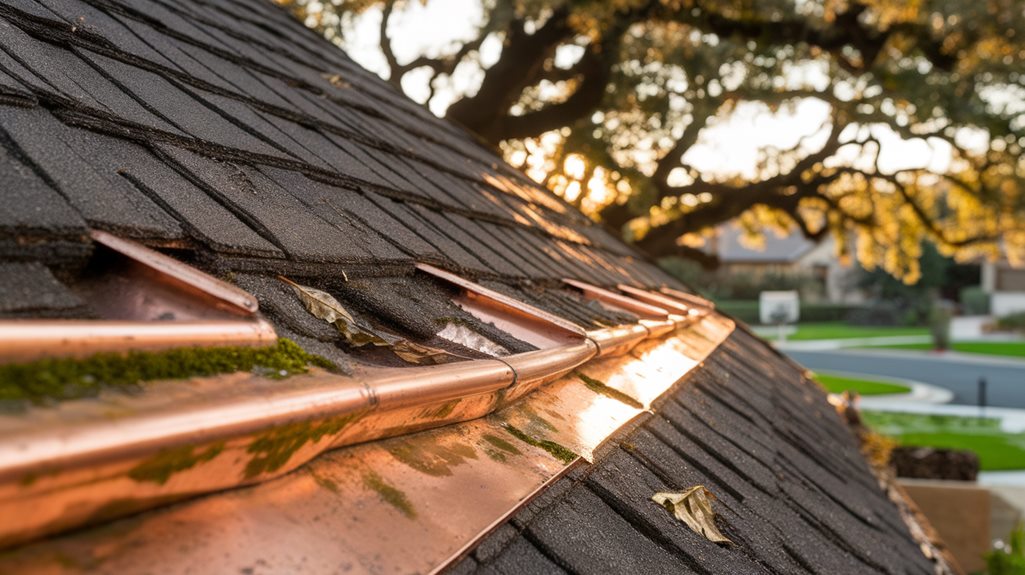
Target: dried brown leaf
411	352
324	306
694	508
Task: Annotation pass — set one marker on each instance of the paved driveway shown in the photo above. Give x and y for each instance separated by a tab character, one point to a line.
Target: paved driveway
959	374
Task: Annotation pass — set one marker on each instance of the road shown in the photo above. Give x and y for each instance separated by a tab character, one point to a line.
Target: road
1005	380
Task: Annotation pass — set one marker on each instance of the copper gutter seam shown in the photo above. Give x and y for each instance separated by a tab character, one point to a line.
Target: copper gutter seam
24	340
179	272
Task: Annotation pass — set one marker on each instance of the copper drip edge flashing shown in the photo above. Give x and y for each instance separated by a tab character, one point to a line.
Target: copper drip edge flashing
60	476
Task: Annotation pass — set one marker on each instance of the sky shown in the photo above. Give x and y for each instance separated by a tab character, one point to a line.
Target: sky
732	146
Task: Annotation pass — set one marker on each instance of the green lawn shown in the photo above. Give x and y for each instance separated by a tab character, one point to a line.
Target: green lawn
861	385
840	330
999	348
997	451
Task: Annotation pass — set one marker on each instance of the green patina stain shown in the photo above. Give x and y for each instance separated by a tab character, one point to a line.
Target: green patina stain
326	483
393	496
70	378
159	468
502	444
537	420
433	459
499	449
272	450
559	452
442	411
599	387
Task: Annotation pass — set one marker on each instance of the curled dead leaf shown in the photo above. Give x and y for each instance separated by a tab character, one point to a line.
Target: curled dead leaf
694	508
324	306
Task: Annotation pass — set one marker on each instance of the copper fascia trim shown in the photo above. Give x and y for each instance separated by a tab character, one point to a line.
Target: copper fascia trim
25	340
179	272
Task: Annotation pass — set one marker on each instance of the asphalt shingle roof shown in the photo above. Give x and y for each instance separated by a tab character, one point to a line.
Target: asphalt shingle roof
792	491
252	146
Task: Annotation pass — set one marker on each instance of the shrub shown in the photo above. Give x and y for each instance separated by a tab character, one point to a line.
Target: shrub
1009	558
1012	322
747	311
974	301
879	313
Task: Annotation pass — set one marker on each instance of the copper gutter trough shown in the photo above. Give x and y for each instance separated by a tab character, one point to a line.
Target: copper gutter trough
85	461
23	340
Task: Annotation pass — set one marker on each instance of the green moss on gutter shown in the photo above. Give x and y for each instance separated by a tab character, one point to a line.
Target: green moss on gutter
272	450
499	449
159	468
501	444
600	388
559	452
69	378
393	496
433	459
442	411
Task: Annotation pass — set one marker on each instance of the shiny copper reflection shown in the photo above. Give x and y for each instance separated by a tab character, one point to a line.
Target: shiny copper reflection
23	340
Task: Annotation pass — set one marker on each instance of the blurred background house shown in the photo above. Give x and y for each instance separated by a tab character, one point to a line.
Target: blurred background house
821	275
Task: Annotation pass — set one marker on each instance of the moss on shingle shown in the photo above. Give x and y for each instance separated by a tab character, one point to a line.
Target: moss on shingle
70	378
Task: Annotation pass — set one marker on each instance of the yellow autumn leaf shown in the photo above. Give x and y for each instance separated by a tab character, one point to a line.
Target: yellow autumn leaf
694	508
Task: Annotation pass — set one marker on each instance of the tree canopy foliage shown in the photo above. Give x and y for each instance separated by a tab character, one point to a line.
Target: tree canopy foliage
603	99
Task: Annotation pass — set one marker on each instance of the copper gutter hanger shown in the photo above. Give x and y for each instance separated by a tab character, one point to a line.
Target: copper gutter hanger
65	473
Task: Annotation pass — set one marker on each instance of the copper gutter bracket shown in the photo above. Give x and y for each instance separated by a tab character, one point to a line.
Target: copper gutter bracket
563	345
135	293
688	298
654	321
688	312
188	277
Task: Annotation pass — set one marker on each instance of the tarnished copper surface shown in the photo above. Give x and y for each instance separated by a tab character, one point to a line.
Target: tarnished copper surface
187	276
641	309
23	340
404	505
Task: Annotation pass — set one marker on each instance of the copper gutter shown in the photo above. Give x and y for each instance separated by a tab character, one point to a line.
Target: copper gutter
213	434
221	293
25	340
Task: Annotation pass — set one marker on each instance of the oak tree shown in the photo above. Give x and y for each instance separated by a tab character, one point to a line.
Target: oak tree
602	100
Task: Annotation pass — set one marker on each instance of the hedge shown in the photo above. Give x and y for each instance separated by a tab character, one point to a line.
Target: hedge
747	311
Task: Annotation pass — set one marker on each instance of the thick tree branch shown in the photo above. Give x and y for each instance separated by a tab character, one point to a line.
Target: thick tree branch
522	59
